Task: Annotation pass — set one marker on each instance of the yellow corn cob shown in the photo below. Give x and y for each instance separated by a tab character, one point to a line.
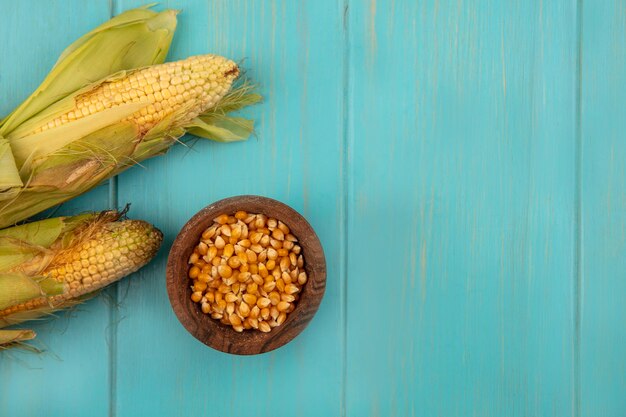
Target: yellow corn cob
196	83
105	252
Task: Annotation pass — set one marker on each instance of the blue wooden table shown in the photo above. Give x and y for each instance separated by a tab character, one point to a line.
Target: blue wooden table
463	163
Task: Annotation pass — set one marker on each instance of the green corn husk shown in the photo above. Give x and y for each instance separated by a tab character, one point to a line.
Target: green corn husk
46	168
56	263
134	39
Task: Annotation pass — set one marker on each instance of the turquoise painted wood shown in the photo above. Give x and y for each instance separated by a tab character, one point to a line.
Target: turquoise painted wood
462	163
602	314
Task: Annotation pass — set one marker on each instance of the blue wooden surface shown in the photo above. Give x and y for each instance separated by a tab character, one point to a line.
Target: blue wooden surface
463	165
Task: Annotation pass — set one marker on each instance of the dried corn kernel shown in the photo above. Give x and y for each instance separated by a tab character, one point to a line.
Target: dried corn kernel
249	268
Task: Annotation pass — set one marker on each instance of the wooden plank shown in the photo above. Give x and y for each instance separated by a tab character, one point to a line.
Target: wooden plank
72	375
603	190
294	51
461	208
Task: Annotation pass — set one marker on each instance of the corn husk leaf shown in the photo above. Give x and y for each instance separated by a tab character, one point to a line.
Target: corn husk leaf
15	338
10	180
19	288
135	38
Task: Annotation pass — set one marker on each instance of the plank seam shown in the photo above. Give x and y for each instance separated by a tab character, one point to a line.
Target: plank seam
345	202
114	293
578	272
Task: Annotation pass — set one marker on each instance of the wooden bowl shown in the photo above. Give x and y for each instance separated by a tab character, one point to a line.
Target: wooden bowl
220	336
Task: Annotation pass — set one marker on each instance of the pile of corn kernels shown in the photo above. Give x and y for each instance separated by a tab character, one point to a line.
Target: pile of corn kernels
247	271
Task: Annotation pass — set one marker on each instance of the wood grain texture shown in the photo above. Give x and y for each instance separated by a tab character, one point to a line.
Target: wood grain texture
77	356
461	208
293	50
463	165
603	210
217	335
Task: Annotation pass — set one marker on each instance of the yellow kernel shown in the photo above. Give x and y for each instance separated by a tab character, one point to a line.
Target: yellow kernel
219	296
258	279
230	249
296	249
251	256
225	229
249	299
272	223
234	320
291	289
230	297
230	308
274	312
241	215
194	258
245	243
264	327
263	270
270	265
211	253
194	271
236	287
269	286
221	219
293	259
256	248
280	285
252	288
244	267
225	271
288	298
281	318
290	238
283	252
265	241
300	263
274	297
255	237
235	231
286	277
260	221
197	286
283	228
224	289
216	261
302	278
278	234
255	312
284	263
203	248
232	220
262	257
244	309
234	262
254	322
272	254
196	297
219	242
283	306
265	313
263	302
288	245
210	296
216	316
276	244
238	328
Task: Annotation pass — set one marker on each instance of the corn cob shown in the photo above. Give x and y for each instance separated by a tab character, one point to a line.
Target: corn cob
82	254
76	131
193	85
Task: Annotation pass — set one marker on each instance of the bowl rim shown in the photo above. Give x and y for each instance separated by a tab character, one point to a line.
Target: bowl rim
210	331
